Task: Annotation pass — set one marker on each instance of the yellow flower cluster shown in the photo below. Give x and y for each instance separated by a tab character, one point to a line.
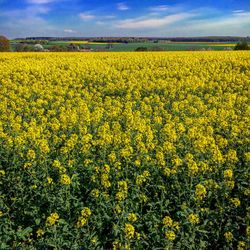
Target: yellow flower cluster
167	221
228	236
170	235
172	227
52	219
200	191
132	217
129	231
122	191
235	201
228	174
151	142
65	179
83	219
40	232
193	219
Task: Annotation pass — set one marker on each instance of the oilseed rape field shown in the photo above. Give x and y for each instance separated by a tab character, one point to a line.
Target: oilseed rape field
125	150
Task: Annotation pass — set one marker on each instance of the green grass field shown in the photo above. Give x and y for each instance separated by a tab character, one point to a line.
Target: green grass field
149	45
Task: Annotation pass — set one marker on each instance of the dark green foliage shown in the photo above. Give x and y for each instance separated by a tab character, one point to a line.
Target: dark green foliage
242	46
4	44
141	49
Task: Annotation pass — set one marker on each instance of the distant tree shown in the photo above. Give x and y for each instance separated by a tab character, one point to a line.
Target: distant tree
141	49
57	48
73	47
38	47
4	44
23	47
242	46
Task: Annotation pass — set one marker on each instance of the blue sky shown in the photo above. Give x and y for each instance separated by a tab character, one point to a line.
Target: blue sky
124	18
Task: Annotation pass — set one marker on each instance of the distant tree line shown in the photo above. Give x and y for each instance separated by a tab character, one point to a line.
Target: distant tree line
43	42
24	47
143	39
43	45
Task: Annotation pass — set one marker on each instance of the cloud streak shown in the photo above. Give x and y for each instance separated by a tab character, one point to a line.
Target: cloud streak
122	6
85	16
159	8
149	22
69	31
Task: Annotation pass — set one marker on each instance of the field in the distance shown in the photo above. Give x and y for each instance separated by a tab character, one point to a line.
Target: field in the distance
116	47
124	150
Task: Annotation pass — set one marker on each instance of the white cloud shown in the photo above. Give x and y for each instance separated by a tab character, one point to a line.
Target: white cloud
159	8
224	26
86	16
149	22
122	6
238	11
30	11
69	31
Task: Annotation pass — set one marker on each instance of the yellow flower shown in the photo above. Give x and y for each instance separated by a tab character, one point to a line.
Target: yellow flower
106	168
146	174
44	147
116	245
86	212
95	193
132	217
27	165
40	232
235	201
1	213
228	236
94	240
247	156
200	191
81	222
167	172
228	174
120	196
31	155
194	219
112	157
105	181
137	163
129	231
167	221
193	167
140	179
248	230
52	219
241	245
2	172
138	236
65	179
230	184
170	235
50	180
123	186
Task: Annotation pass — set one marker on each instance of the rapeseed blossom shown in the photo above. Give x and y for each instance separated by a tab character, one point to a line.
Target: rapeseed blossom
52	219
134	149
